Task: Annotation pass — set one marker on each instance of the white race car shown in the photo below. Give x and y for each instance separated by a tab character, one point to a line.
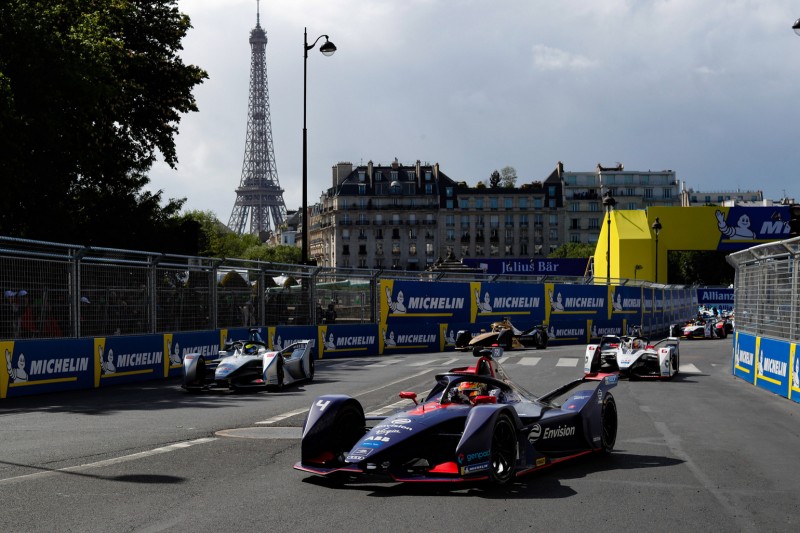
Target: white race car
634	357
249	364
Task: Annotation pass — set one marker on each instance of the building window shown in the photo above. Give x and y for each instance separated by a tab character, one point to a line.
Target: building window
448	191
648	192
523	203
448	204
345	233
594	207
630	191
494	221
553	234
509	221
346	249
465	221
537	202
574	237
412	233
451	235
494	250
667	194
450	221
362	189
362	176
362	249
378	248
553	220
429	188
594	223
478	203
464	250
508	203
463	203
412	248
574	223
493	203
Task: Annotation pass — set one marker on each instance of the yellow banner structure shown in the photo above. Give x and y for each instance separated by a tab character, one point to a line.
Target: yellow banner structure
632	239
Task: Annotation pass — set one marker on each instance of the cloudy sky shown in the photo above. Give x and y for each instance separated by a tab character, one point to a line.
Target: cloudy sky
708	89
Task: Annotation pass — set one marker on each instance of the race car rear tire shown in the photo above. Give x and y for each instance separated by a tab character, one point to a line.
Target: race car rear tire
503	452
608	424
676	364
311	369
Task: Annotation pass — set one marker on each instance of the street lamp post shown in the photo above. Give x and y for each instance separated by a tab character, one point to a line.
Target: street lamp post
657	229
327	49
608	202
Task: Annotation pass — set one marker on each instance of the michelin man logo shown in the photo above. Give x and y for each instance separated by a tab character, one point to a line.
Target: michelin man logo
174	355
556	304
449	338
398	306
107	365
16	374
484	306
739	232
616	302
796	375
329	344
389	340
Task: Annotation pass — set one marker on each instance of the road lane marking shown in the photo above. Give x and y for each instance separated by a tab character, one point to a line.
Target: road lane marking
567	361
283	416
529	361
690	369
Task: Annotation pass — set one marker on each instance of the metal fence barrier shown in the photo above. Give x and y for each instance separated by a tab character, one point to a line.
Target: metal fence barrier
766	289
53	290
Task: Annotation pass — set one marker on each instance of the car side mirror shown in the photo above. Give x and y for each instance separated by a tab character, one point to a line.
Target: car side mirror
485	399
408	395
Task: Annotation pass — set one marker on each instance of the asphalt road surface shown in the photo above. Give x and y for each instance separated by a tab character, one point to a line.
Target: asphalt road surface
702	452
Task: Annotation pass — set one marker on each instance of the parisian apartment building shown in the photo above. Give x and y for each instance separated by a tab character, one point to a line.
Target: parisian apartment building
408	216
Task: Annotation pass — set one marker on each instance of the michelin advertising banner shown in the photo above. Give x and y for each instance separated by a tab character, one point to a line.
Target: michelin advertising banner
523	304
36	367
346	340
207	343
423	302
743	227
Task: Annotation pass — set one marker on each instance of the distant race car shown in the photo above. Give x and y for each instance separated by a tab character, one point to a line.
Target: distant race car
705	328
469	427
249	364
634	357
504	334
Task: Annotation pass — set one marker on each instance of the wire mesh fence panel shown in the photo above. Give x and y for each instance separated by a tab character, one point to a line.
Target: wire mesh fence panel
35	301
115	299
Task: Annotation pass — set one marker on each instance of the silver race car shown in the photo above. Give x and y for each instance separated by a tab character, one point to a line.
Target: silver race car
249	364
634	357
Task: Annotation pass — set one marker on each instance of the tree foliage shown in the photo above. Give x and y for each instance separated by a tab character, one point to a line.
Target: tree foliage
573	250
91	92
216	240
508	177
494	180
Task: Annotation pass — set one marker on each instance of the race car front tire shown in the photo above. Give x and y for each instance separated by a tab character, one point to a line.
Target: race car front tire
503	452
608	424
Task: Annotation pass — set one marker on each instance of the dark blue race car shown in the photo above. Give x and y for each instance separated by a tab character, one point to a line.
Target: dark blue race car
472	426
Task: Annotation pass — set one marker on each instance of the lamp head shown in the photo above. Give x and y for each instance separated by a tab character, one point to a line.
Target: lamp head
796	26
328	48
608	200
657	226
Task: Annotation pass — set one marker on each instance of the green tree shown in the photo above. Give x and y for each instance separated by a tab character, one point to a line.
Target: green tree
508	177
573	250
494	180
91	91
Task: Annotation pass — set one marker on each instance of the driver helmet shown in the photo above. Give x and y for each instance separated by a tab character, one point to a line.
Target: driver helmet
471	389
637	344
250	349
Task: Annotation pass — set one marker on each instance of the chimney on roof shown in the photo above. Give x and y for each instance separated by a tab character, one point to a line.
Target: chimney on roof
395	164
369	172
419	171
436	171
340	172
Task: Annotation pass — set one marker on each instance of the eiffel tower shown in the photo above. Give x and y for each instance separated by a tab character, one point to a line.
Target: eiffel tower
259	197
